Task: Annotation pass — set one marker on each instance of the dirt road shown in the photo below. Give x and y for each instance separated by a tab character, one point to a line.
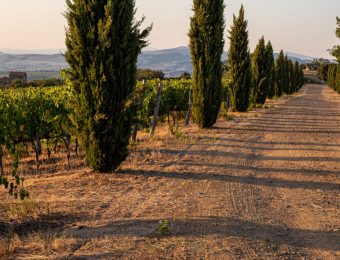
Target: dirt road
265	186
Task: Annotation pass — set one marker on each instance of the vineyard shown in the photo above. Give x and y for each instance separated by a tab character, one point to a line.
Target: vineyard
33	115
239	159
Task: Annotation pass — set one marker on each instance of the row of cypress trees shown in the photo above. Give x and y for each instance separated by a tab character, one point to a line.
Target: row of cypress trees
289	76
103	42
262	72
256	77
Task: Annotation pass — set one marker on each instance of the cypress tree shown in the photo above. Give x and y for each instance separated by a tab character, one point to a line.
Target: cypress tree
280	74
270	69
301	78
239	63
291	77
206	46
296	76
335	51
338	80
332	71
103	42
260	73
286	78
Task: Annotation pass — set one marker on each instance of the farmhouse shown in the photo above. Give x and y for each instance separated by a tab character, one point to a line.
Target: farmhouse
13	76
4	81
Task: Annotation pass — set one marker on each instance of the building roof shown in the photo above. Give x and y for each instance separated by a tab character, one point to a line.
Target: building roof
17	74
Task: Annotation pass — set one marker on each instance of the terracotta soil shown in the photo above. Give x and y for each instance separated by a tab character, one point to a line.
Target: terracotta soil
263	186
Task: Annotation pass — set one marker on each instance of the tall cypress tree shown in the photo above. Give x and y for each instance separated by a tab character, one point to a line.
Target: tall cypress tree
301	78
280	74
335	51
296	76
206	46
103	42
239	63
270	69
290	77
337	81
260	73
286	78
332	76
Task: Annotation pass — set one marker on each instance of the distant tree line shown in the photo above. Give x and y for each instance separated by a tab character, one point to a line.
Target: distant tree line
52	82
148	74
256	77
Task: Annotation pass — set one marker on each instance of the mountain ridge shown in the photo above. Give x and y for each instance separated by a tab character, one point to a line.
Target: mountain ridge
173	61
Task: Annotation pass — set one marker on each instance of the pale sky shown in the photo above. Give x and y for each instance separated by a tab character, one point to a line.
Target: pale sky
301	26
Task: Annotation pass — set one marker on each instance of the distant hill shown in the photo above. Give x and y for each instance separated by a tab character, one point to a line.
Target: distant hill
31	62
173	62
302	59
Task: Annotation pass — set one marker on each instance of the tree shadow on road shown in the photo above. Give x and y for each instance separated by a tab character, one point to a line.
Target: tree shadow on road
217	227
249	180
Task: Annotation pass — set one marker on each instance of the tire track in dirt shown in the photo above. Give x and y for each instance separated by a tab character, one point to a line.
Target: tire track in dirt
291	215
248	202
262	187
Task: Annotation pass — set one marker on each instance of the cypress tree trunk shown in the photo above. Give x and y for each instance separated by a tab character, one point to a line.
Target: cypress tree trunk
239	63
206	46
103	43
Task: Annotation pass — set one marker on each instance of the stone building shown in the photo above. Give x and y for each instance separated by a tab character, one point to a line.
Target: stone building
13	76
21	76
4	81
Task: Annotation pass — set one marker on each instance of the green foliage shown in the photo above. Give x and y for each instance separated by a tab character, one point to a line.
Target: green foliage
147	74
239	63
302	79
185	75
334	77
260	73
27	115
291	77
52	82
323	70
337	86
206	46
175	97
270	70
296	76
103	42
335	51
280	74
163	227
286	78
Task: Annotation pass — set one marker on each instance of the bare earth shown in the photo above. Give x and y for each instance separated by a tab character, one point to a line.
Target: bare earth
264	186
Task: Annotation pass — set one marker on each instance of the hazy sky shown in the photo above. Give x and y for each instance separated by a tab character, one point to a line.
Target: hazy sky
301	26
